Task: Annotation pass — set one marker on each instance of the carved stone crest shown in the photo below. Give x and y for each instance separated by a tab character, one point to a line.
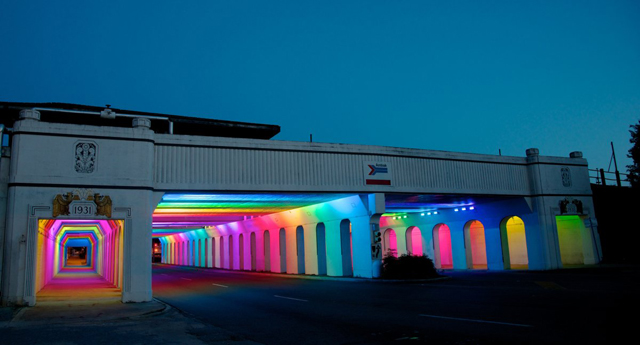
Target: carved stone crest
566	176
571	206
86	155
82	203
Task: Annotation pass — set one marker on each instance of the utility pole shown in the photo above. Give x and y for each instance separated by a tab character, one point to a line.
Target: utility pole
615	164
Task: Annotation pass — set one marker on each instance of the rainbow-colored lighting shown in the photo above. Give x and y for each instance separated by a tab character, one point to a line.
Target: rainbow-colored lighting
102	240
178	213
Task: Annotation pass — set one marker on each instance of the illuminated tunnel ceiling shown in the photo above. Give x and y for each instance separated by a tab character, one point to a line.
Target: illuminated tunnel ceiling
185	212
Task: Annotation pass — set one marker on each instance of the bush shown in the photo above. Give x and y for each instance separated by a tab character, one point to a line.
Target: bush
408	267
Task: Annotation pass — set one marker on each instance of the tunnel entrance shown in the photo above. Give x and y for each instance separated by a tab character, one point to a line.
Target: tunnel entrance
79	259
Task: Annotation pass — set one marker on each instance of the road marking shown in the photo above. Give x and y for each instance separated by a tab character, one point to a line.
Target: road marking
220	285
550	286
473	320
186	278
291	298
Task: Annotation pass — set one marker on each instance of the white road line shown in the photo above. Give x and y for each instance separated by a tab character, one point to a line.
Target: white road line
291	298
220	285
186	278
472	320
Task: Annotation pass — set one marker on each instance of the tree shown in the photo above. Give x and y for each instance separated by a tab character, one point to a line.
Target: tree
634	154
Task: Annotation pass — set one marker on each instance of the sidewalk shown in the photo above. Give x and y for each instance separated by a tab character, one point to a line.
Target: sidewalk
107	321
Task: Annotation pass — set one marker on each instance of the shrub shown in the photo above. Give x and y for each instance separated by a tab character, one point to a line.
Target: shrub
408	267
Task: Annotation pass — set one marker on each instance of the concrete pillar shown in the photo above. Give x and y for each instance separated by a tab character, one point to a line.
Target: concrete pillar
292	250
493	244
458	250
588	241
310	249
361	239
426	231
334	254
401	239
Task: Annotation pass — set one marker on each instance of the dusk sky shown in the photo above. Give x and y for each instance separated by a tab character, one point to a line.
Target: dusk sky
464	76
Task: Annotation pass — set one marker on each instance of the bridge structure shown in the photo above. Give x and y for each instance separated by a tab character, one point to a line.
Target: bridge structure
224	195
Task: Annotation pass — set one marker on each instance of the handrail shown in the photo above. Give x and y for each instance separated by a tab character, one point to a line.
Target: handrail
601	177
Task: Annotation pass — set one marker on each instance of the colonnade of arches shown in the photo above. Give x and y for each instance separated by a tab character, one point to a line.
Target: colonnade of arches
305	249
468	246
317	250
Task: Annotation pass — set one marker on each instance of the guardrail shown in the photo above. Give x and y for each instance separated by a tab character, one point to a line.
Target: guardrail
609	178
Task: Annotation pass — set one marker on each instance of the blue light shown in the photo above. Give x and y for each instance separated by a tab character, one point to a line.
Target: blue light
456	210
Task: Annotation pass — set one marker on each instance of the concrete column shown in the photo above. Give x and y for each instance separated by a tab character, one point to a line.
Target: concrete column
259	254
5	161
334	254
426	231
401	239
361	241
310	249
458	249
274	237
137	249
590	252
292	250
493	243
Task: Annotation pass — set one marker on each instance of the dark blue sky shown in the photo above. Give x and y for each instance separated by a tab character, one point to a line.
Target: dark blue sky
469	76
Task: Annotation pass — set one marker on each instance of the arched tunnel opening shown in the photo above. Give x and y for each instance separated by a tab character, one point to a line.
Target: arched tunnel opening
79	259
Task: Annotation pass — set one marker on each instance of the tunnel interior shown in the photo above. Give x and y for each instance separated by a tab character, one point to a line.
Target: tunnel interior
206	230
79	258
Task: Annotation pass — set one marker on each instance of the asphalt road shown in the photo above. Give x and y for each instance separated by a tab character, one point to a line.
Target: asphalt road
594	305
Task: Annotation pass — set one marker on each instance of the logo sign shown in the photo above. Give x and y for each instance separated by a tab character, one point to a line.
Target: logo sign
377	173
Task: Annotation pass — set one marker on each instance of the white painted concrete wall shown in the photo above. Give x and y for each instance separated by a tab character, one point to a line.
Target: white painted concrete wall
135	167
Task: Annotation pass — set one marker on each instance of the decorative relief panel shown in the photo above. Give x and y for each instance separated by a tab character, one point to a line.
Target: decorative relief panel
82	203
86	157
571	206
566	176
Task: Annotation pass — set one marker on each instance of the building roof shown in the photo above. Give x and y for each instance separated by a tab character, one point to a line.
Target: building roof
160	123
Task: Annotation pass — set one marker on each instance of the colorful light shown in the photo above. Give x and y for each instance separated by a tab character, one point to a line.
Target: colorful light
102	240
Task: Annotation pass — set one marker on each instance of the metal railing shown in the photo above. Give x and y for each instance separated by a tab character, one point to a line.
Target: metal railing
609	178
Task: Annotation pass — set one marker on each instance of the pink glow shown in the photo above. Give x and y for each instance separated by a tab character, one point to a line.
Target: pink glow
416	241
444	243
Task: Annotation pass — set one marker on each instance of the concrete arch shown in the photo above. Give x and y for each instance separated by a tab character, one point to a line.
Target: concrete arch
300	249
221	254
514	243
414	240
321	242
200	256
475	245
574	241
283	250
346	245
443	250
252	251
267	250
231	253
390	243
241	252
206	253
213	252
